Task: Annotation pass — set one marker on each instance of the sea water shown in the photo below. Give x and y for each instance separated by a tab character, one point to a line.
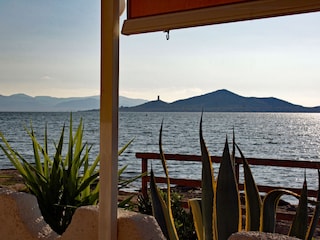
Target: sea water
289	136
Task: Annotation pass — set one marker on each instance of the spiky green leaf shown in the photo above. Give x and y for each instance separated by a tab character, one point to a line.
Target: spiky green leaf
316	213
227	197
207	186
195	206
253	200
160	211
299	225
269	207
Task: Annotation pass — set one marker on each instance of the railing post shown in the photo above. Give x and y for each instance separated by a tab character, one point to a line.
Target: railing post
144	179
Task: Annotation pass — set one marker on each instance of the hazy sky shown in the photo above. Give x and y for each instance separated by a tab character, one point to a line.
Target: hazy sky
52	48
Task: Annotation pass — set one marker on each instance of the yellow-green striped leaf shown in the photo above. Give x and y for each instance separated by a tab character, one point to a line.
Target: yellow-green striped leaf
195	206
253	200
269	206
299	225
316	213
161	213
207	185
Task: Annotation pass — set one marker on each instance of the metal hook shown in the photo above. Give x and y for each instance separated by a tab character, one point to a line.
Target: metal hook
167	34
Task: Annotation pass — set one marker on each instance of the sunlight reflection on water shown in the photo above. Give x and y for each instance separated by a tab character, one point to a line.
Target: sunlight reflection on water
291	136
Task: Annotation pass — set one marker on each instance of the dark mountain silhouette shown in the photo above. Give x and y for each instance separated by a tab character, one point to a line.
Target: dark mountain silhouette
153	106
222	101
25	103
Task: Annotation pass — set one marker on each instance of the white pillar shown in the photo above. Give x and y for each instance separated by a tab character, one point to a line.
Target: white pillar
109	119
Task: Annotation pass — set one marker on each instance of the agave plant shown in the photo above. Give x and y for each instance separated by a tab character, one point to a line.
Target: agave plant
220	199
61	183
218	214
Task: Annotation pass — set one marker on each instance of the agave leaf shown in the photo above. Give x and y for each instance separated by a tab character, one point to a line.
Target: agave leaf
86	183
169	219
85	160
94	165
34	175
57	171
228	208
59	147
93	199
195	206
160	211
125	147
121	170
35	145
233	154
269	207
24	168
73	160
69	155
10	153
77	161
163	161
253	199
95	194
207	186
125	202
126	182
33	178
316	214
78	137
46	159
299	225
30	177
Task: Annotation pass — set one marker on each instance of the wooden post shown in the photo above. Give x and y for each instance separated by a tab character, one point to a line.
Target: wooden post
144	168
109	119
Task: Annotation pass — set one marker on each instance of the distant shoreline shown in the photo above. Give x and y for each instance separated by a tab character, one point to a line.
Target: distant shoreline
217	101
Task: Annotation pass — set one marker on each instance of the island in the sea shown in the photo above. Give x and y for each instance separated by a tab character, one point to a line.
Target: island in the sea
221	101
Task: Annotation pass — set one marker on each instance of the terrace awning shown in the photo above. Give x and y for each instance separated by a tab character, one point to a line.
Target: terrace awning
149	16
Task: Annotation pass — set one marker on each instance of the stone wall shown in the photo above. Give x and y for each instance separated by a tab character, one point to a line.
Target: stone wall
21	218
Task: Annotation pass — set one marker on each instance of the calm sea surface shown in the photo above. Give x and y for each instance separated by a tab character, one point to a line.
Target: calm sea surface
292	136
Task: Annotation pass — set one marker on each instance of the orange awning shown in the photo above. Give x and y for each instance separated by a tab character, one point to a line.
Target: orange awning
143	8
150	15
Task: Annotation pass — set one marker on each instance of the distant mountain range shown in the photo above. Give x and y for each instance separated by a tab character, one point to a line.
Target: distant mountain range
218	101
221	101
25	103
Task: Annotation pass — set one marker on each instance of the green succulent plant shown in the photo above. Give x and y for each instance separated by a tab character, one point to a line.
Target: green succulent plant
225	213
62	182
217	214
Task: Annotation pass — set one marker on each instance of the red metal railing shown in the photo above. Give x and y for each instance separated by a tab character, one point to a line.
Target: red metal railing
145	157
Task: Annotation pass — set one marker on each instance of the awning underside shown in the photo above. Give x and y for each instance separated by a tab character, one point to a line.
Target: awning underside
150	16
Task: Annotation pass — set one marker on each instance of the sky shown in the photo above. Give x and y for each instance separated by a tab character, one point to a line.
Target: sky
51	48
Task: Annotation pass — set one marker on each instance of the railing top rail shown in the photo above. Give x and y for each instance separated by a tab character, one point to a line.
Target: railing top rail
251	161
